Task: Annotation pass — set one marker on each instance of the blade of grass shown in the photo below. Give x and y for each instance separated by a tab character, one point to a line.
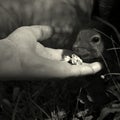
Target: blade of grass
40	109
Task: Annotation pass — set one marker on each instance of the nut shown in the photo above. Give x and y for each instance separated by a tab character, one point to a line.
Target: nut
74	59
66	58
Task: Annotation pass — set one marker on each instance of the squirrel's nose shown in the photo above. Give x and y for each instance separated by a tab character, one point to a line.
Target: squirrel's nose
74	48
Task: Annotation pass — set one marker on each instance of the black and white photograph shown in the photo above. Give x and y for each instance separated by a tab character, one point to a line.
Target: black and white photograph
59	59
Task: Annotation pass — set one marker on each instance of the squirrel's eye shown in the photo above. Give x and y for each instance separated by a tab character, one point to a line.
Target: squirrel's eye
95	39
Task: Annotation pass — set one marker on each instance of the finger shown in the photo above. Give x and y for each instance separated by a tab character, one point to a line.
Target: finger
34	33
96	67
41	32
45	68
87	69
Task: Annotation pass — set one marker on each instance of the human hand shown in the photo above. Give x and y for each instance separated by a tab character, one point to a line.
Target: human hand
22	55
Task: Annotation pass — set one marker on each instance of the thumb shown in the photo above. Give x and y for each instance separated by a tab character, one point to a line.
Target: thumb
42	32
34	33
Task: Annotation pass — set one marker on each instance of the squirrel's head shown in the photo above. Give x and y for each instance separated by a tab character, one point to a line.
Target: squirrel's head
89	44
